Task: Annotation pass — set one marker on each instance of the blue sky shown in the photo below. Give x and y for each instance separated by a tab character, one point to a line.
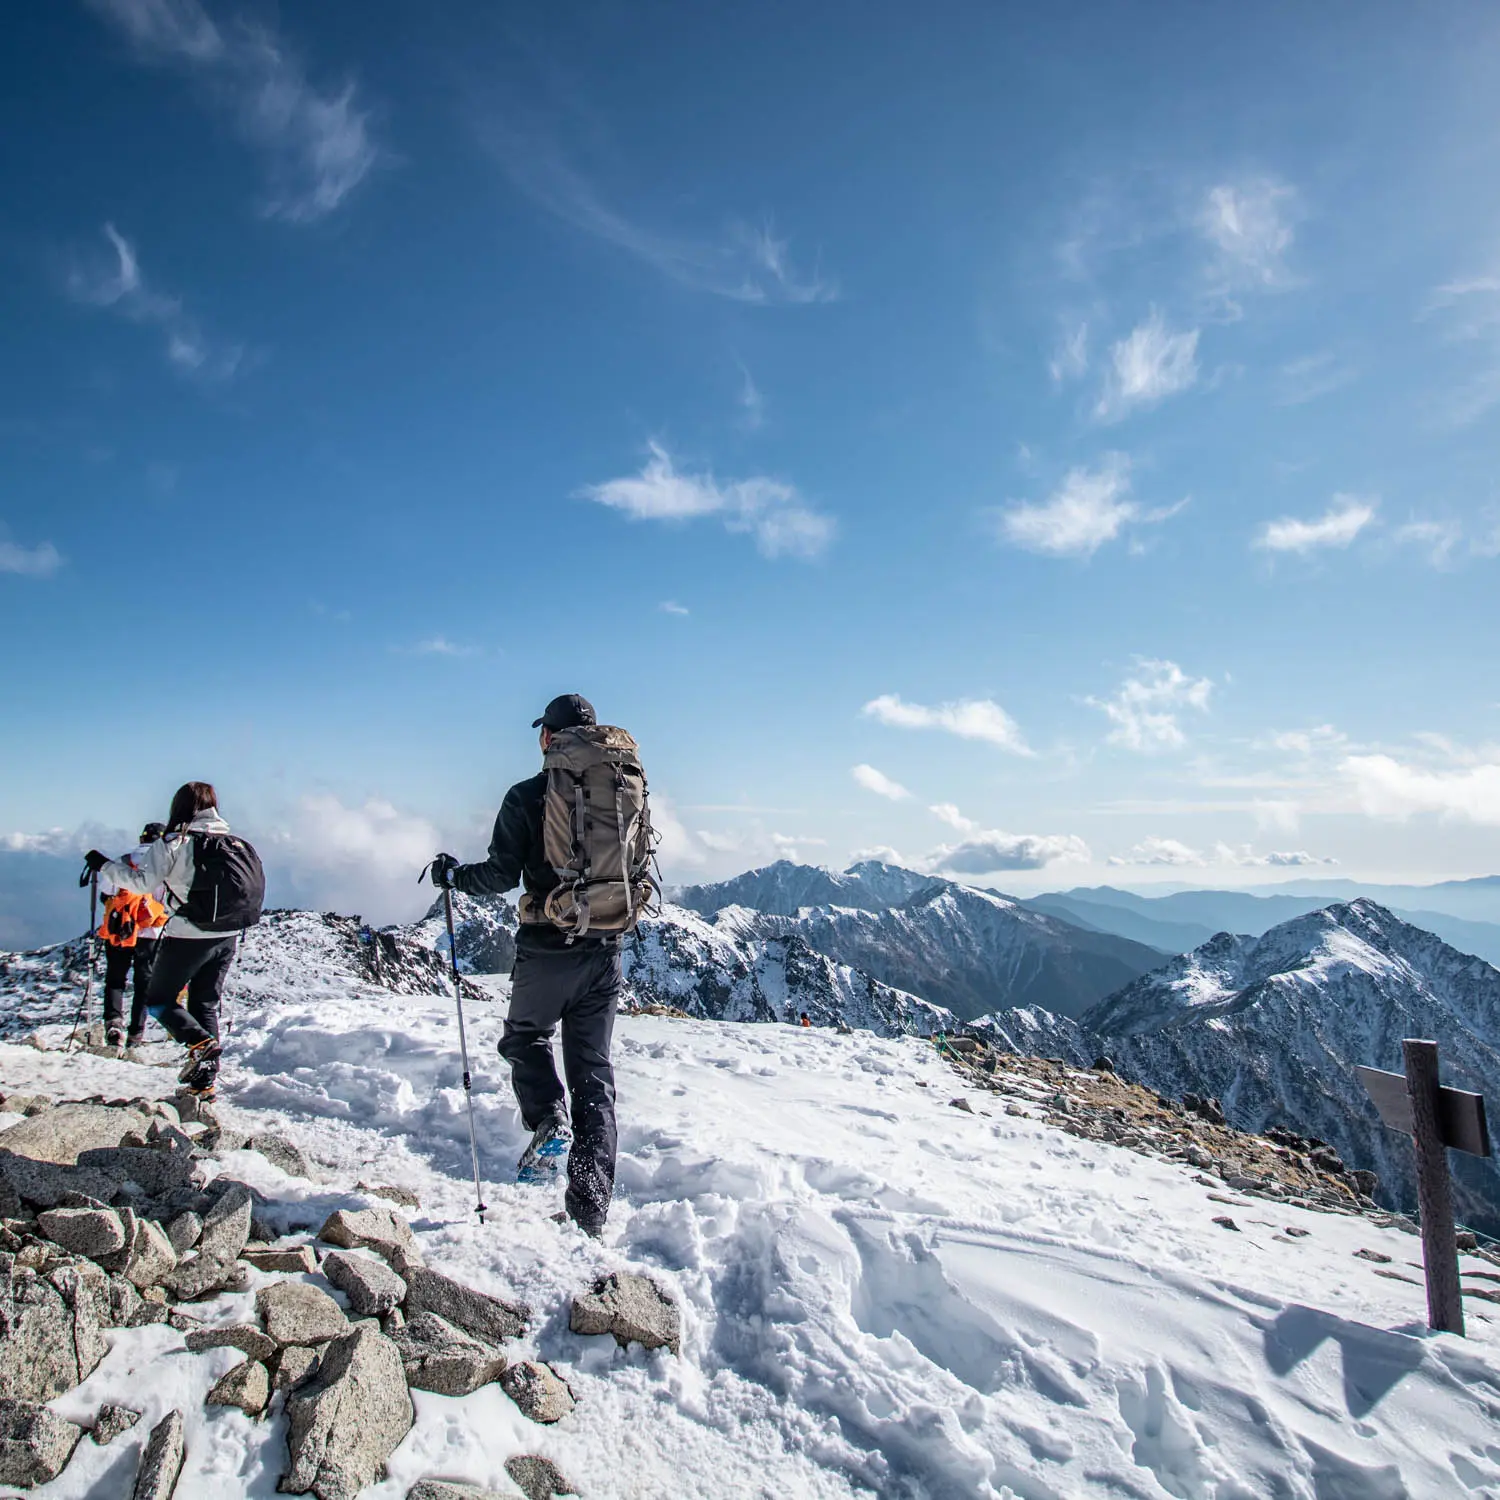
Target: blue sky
1054	444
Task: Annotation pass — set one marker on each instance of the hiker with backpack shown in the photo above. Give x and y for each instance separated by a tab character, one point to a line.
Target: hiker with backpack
132	923
214	888
578	838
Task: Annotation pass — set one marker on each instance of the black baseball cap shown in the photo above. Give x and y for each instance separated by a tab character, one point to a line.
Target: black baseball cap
152	831
566	712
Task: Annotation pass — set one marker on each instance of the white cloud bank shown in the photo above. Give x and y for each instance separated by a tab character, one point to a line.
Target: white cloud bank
969	719
781	522
879	783
1388	788
1337	527
1172	853
1145	711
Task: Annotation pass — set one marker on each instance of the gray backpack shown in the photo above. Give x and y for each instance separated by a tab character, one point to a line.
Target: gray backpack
596	833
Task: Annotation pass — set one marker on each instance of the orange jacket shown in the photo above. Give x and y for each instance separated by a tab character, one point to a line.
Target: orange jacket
127	914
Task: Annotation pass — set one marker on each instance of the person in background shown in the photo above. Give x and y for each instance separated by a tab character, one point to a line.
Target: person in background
132	923
804	1019
215	888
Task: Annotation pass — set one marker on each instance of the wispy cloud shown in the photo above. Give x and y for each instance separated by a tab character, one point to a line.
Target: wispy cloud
113	279
752	403
1145	711
740	261
41	561
770	510
1312	377
1337	527
1439	540
1159	851
437	645
1070	356
672	607
969	719
1468	310
1248	226
879	783
1146	367
316	141
1090	507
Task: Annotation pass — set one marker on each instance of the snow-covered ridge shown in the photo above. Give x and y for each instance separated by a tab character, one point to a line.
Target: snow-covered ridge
1274	1026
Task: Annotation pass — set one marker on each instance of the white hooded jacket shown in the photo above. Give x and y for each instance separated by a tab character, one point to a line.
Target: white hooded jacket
165	867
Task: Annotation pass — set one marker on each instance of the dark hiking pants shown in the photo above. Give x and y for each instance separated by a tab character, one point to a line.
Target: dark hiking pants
202	964
578	987
118	963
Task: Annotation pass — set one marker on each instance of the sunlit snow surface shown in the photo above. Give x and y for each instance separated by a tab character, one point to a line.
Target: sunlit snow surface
882	1295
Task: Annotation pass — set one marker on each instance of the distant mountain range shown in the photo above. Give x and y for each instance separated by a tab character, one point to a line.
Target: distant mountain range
1273	1025
971	951
1184	919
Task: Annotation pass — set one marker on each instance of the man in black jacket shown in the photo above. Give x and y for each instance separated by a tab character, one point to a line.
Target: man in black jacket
554	981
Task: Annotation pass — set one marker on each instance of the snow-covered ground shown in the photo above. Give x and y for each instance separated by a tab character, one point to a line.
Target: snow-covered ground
882	1295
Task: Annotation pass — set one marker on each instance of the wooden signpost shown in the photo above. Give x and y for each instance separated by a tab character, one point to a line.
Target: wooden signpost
1437	1119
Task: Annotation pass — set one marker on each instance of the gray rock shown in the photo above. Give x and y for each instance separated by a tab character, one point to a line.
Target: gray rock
445	1489
59	1135
152	1258
112	1421
192	1110
476	1313
184	1231
225	1231
283	1153
294	1365
49	1334
161	1460
295	1312
633	1308
292	1259
122	1306
404	1196
247	1386
83	1286
538	1478
540	1392
436	1356
84	1231
242	1336
370	1285
379	1229
156	1173
35	1443
348	1420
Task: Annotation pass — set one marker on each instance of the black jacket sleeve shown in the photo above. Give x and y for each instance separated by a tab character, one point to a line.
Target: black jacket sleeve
510	847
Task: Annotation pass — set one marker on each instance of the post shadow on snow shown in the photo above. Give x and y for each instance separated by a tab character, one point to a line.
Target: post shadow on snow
1375	1360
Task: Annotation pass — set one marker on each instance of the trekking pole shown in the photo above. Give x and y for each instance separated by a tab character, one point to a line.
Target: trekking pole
89	878
480	1206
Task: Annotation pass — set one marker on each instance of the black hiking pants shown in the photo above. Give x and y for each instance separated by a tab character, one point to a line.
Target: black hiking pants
118	964
202	964
579	988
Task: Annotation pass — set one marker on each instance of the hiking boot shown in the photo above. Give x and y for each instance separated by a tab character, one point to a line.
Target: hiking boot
549	1145
202	1066
114	1037
134	1039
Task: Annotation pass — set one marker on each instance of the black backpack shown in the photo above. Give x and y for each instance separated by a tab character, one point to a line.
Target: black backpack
229	885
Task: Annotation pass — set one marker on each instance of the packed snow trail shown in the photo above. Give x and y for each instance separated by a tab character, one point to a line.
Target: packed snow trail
882	1295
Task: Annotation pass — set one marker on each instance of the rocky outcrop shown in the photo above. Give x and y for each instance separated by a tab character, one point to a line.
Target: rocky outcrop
436	1356
379	1229
632	1308
226	1230
49	1331
112	1421
537	1478
161	1460
95	1232
484	1317
295	1312
540	1392
247	1385
35	1443
281	1152
373	1289
248	1339
346	1422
